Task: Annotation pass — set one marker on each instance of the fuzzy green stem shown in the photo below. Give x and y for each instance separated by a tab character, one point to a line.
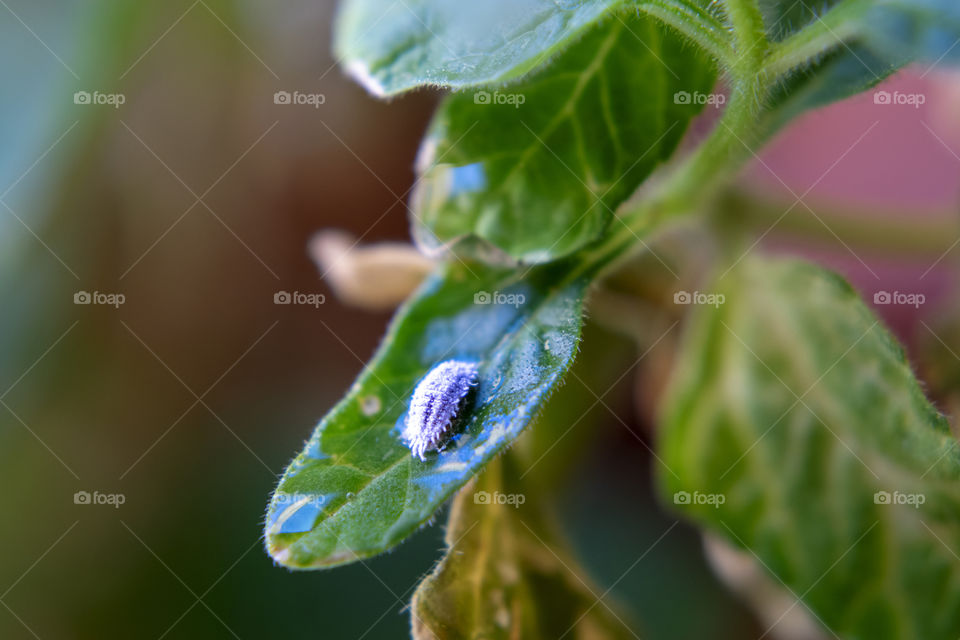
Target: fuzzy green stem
842	23
751	37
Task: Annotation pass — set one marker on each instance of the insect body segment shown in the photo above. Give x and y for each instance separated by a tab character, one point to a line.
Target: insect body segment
436	401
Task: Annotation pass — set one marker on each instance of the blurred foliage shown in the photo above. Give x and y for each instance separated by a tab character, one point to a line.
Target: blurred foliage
90	393
848	495
105	400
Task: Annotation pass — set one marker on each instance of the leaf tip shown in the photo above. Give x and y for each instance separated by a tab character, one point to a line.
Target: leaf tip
359	71
280	556
287	553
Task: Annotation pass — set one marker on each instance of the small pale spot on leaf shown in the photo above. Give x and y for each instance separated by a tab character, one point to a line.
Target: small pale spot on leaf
370	405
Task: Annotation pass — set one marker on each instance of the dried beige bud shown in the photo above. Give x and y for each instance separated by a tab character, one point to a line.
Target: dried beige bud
375	277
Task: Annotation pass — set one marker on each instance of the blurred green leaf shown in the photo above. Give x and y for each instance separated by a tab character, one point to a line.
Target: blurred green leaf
783	18
797	430
897	30
393	47
853	46
537	170
356	490
505	574
838	75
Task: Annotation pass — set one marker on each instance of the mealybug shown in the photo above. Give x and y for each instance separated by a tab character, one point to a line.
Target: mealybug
436	401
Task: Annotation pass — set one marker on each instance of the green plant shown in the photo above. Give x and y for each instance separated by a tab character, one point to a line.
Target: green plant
548	170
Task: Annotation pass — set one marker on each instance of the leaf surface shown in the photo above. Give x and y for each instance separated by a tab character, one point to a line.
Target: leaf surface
356	490
537	170
865	41
392	47
797	430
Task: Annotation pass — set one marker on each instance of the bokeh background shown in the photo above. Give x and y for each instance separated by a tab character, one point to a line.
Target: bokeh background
195	199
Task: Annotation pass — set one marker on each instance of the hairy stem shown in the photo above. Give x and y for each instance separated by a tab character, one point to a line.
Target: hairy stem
824	34
750	37
701	26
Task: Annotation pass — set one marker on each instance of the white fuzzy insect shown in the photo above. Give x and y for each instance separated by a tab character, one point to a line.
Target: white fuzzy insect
436	401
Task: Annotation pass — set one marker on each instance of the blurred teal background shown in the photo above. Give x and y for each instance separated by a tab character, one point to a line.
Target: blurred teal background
189	398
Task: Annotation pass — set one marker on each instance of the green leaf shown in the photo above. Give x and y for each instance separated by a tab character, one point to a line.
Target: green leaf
506	575
537	170
356	490
853	46
392	47
896	30
508	565
839	75
783	18
794	404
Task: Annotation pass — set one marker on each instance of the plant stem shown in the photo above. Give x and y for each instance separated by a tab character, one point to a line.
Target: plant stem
890	232
690	184
720	156
758	66
751	37
700	25
728	146
836	26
